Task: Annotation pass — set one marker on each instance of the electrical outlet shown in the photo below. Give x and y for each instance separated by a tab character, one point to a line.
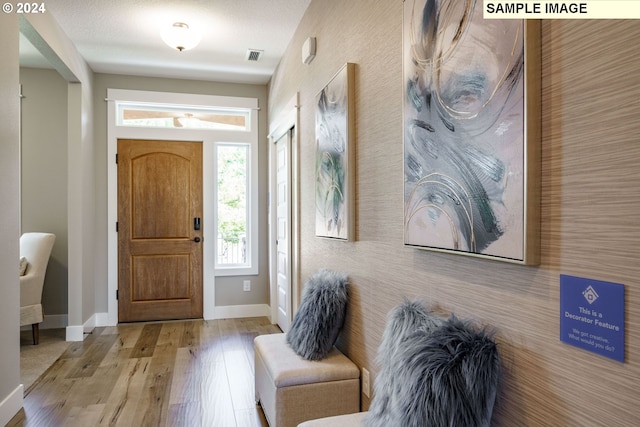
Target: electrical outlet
366	384
247	285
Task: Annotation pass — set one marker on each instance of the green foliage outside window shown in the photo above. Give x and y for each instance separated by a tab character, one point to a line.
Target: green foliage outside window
232	192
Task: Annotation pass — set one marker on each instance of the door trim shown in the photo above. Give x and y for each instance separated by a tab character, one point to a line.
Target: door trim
283	144
208	139
289	119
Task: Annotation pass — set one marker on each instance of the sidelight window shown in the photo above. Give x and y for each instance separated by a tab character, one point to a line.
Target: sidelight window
233	206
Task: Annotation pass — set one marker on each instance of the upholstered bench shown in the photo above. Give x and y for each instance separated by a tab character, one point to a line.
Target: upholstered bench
292	390
351	420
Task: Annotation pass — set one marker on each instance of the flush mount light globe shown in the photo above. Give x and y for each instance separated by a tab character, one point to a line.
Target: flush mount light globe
180	36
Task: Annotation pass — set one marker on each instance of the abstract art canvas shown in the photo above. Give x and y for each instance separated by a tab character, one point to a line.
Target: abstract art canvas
334	160
470	131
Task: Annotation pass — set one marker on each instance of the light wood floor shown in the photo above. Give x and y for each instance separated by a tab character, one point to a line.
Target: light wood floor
187	373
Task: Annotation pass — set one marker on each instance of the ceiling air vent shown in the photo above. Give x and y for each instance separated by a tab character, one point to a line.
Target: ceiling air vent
254	54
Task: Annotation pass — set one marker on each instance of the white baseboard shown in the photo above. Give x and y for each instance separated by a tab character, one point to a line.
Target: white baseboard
236	311
51	321
75	333
78	333
59	321
102	319
221	312
11	404
89	324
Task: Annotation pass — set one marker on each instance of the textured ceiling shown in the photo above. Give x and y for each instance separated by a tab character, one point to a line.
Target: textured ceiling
123	36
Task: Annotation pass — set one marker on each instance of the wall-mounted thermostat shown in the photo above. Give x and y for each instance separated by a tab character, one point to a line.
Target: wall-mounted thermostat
309	50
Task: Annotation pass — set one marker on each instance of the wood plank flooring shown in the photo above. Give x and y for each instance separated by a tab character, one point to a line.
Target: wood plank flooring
180	373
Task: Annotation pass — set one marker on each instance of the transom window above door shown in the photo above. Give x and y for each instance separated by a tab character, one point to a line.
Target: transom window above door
186	117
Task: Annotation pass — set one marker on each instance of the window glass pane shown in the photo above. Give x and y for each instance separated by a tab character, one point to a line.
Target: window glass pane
232	218
158	116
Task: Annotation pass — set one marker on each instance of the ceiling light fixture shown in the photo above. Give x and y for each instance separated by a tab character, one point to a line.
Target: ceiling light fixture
180	36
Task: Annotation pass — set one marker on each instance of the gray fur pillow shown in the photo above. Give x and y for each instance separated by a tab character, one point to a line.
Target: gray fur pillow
403	321
446	378
317	323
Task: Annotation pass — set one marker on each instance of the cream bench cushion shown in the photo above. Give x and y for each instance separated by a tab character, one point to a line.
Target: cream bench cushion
291	389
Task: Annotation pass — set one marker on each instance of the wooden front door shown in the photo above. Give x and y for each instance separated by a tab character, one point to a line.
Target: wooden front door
159	230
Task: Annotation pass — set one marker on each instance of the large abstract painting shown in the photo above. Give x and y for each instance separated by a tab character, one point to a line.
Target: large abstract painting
334	162
471	131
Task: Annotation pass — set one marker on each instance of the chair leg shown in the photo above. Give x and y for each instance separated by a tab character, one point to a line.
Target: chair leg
35	328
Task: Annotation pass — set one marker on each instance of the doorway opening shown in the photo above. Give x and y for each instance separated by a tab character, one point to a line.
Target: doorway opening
284	231
193	119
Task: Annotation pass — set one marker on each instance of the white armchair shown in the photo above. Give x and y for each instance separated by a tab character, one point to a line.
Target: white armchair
36	248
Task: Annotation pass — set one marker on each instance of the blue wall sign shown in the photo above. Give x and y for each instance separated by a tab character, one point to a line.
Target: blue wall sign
592	315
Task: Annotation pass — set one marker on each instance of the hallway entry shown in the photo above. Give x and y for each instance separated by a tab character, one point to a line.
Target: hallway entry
160	230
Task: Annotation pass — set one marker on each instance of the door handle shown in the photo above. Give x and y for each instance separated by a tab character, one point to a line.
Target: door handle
197	239
196	223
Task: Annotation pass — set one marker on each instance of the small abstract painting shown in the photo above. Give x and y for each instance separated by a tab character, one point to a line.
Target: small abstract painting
470	131
334	162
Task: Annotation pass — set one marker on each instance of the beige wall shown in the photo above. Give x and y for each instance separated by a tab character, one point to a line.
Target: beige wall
44	174
589	208
228	289
48	37
10	392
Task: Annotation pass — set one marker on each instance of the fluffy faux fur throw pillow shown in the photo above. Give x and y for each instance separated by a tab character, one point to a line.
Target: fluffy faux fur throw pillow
402	321
448	377
317	323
